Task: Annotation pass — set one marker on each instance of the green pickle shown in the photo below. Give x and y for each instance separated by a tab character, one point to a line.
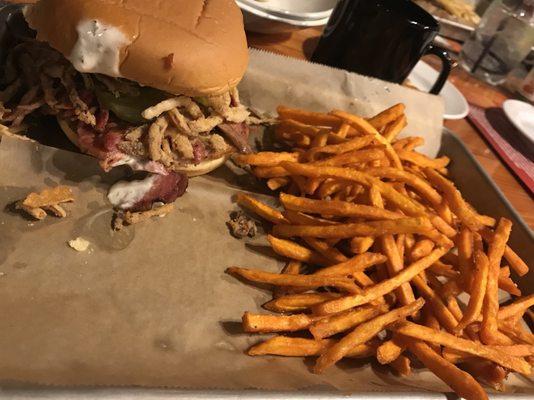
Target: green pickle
128	107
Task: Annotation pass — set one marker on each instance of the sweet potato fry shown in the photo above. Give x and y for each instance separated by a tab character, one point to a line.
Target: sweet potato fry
395	264
517	350
295	251
298	302
290	347
351	266
330	253
456	356
387	116
270	172
351	158
508	285
361	244
457	203
344	131
445	339
344	321
439	268
299	218
421	249
265	158
307	281
491	299
365	127
516	263
350	145
402	365
486	372
320	140
517	308
436	304
335	208
374	292
461	382
277	183
515	331
373	228
299	347
408	143
392	130
422	160
362	333
262	323
390	350
464	243
264	211
292	267
309	117
478	291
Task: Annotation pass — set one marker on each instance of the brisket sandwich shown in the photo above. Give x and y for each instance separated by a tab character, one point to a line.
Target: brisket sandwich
148	84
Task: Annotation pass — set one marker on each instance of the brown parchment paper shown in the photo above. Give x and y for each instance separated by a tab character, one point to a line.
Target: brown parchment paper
151	306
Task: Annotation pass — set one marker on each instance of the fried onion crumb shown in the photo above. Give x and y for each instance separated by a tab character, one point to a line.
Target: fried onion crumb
38	204
123	219
241	225
79	244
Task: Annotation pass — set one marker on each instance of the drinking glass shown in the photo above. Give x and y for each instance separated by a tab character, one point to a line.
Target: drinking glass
501	41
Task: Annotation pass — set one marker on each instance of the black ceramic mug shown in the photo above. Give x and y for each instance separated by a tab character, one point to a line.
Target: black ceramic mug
381	38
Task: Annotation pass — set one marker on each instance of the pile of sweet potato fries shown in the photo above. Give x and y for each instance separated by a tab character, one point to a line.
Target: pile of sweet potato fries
378	239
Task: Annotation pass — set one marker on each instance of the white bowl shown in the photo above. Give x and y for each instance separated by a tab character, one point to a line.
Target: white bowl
262	21
294	9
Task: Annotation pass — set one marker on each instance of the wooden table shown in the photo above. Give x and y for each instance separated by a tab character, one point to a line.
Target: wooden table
300	44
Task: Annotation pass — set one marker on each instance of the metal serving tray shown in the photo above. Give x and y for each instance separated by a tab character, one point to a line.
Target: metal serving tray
477	187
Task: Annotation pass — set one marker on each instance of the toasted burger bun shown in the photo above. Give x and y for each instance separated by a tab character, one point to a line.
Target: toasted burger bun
191	170
189	47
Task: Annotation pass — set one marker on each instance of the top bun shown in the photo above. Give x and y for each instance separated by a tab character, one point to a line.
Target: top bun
189	47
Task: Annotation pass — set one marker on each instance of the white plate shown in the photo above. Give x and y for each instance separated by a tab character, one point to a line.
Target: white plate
521	114
261	21
423	77
295	9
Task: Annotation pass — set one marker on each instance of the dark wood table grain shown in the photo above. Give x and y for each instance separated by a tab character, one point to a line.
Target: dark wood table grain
300	44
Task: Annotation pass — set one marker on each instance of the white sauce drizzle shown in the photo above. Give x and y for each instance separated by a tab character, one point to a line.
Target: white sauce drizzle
133	162
125	194
97	49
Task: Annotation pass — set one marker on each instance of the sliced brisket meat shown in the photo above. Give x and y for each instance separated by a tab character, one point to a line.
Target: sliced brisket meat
140	195
238	135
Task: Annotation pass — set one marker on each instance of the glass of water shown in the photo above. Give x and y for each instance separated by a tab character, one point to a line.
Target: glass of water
501	41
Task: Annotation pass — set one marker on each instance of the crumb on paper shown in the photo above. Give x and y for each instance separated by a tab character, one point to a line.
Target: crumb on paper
241	225
38	204
49	197
79	244
132	218
57	210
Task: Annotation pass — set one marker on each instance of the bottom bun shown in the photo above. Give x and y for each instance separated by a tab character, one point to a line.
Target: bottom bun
202	168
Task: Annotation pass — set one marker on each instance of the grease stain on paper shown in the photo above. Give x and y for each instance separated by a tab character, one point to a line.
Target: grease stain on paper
19	265
96	228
